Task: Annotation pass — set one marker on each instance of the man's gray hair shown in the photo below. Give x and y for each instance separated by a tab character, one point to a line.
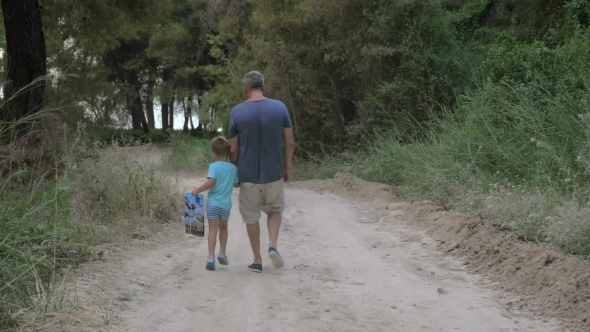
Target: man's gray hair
254	81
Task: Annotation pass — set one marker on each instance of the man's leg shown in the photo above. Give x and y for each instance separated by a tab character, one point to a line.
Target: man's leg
254	235
274	225
250	209
274	205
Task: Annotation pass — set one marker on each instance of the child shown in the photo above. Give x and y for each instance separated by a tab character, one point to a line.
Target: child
221	179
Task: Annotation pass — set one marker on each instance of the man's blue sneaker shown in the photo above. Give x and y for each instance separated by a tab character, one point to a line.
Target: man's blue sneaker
255	268
222	259
210	264
276	258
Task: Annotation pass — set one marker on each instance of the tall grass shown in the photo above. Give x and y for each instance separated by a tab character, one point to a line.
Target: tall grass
38	240
189	154
72	194
512	160
117	189
516	148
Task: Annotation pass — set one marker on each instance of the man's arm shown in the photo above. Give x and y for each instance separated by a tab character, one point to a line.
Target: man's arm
233	139
289	151
233	150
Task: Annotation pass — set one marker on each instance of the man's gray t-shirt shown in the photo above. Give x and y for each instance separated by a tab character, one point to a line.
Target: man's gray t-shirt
259	126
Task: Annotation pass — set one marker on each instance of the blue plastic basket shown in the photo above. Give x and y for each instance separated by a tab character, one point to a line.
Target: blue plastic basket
193	215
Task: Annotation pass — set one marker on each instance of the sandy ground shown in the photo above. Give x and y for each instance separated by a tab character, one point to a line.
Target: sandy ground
352	264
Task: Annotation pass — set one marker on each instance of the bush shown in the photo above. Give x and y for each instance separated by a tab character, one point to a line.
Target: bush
118	184
516	148
85	196
110	135
39	239
189	154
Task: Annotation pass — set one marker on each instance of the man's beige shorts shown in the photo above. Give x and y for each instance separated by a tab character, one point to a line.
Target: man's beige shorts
257	198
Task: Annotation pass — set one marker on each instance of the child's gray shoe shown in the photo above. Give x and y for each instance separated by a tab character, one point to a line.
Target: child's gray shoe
210	264
222	259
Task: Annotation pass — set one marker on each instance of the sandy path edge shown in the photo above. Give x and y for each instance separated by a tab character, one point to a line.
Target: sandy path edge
534	278
357	259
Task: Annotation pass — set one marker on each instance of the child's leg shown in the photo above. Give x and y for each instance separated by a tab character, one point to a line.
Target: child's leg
213	230
222	236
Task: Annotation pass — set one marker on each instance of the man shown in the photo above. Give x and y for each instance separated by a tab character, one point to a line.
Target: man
257	129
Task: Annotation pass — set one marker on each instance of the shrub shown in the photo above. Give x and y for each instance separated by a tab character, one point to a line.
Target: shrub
85	196
38	240
118	184
189	154
516	148
109	135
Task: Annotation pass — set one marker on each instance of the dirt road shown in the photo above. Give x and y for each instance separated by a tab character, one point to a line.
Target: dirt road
350	266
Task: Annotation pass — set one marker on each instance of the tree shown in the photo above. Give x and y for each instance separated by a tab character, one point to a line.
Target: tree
181	47
149	101
26	59
80	34
187	107
171	114
126	63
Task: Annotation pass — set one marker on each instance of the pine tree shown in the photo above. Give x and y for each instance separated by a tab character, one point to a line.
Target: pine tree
26	59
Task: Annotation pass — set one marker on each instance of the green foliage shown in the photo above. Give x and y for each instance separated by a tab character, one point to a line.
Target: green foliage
39	240
189	154
514	148
55	201
481	105
110	135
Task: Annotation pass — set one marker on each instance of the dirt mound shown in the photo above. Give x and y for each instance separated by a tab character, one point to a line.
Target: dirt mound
542	281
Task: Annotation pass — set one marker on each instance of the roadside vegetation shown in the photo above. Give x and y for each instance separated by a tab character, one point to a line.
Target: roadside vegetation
480	105
515	150
57	200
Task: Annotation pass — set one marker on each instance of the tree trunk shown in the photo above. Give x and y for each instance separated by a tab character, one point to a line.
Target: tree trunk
149	104
165	125
26	63
166	91
199	106
186	116
138	109
189	110
185	126
171	114
106	117
338	116
140	115
135	121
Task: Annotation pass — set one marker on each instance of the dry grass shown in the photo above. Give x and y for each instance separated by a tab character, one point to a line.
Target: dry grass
70	196
117	188
189	154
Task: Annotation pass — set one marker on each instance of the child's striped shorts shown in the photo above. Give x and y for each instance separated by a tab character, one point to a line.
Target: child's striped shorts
214	212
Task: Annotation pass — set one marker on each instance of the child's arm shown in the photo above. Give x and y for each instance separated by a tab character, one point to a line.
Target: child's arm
206	186
211	176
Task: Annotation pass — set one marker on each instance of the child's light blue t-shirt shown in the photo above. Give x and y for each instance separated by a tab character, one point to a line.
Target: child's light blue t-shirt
225	175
